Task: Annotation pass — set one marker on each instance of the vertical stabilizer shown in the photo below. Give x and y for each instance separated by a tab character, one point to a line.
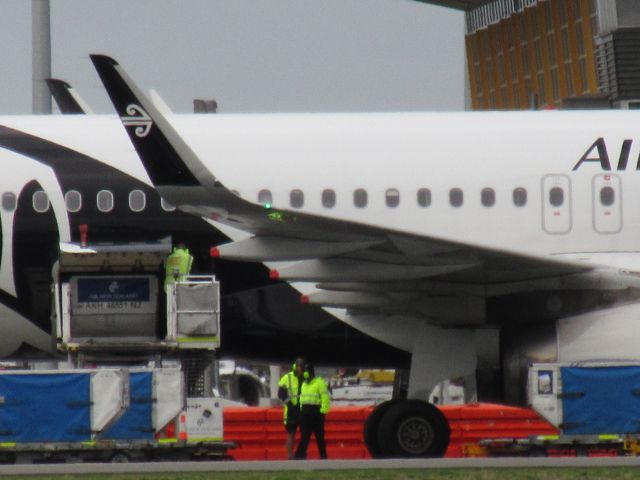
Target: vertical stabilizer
68	101
169	161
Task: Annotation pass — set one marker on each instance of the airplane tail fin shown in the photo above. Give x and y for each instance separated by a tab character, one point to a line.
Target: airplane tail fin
67	99
167	158
159	102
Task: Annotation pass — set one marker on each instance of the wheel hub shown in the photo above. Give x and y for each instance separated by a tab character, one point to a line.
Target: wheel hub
415	435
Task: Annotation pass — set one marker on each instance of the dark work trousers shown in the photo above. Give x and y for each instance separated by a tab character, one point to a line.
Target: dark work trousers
311	420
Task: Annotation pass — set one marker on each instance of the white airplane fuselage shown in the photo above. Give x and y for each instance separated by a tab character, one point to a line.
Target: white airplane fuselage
440	152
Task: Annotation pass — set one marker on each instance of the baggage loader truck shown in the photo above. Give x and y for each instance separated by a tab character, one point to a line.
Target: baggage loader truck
133	381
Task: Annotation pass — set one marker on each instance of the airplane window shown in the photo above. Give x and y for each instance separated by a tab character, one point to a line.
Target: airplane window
360	198
392	197
328	198
137	200
166	206
607	196
40	201
456	197
519	197
9	201
296	198
488	197
265	198
556	196
424	197
73	201
104	200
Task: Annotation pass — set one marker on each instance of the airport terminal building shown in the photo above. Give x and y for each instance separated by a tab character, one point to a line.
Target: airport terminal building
551	53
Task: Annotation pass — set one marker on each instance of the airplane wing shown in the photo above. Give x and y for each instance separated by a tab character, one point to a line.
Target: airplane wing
353	266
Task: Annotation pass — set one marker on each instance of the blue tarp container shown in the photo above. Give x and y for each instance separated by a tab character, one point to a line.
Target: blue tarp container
137	421
39	407
600	400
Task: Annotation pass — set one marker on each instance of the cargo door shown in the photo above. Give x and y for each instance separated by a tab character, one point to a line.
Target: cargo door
607	204
600	400
136	422
556	204
168	394
108	398
542	392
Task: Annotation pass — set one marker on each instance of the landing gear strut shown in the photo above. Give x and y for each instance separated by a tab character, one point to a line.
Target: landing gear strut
414	428
406	429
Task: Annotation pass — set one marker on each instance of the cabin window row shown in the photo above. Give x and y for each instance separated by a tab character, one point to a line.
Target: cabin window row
105	200
607	196
423	197
73	199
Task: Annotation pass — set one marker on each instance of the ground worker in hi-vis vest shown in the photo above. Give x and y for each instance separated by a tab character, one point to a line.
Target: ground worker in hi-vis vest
314	405
289	392
177	265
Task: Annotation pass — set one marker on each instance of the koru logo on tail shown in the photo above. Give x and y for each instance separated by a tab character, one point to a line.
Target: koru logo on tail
138	118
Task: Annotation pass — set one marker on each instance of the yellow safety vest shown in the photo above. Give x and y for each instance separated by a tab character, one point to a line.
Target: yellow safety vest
291	383
179	262
315	392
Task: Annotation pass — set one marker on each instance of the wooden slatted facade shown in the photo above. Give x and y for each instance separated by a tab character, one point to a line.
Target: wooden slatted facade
546	49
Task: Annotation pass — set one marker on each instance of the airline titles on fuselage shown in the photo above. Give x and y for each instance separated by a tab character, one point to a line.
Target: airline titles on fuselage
599	153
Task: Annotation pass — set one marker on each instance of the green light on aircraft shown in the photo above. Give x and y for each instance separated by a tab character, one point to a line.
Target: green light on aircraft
276	216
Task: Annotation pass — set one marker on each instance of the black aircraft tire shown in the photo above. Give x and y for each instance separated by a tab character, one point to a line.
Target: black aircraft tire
120	457
371	426
413	429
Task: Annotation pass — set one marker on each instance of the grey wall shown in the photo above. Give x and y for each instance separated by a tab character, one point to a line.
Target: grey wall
628	13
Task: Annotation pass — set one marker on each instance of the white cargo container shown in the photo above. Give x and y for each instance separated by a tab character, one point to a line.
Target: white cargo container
594	406
113	296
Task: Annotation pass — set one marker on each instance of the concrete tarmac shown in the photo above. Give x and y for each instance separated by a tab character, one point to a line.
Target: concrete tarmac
229	466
